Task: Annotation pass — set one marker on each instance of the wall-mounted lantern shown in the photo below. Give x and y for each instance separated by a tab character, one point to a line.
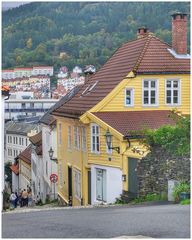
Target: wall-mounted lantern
109	138
124	177
51	155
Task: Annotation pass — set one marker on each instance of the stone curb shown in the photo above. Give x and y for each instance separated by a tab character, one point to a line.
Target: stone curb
35	209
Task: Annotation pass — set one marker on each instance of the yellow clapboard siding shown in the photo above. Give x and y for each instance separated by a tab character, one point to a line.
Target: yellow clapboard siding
117	102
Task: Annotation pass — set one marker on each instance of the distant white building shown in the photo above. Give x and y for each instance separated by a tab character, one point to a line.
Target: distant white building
49	140
27	72
77	69
16	141
37	168
19	109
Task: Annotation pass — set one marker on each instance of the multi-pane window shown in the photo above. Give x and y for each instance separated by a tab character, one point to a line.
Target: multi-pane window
84	139
129	97
77	184
19	140
9	152
69	137
95	140
59	134
16	140
22	141
77	137
172	92
149	92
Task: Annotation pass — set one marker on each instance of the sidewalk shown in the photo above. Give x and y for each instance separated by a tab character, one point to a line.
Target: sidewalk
54	206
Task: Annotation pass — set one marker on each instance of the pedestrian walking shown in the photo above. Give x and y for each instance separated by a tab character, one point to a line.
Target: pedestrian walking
20	198
12	200
30	200
25	197
16	200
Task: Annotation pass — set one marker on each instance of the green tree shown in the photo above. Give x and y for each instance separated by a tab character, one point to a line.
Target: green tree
29	43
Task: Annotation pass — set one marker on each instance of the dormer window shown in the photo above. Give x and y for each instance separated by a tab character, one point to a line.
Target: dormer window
129	97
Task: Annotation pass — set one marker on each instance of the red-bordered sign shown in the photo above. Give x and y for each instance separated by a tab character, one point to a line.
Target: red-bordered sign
54	178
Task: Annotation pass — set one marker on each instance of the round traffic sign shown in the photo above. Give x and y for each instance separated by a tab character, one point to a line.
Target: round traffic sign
54	178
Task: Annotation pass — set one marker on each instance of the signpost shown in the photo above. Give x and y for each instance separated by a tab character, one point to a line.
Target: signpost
54	179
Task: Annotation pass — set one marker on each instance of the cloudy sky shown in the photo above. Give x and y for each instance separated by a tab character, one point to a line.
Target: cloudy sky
8	5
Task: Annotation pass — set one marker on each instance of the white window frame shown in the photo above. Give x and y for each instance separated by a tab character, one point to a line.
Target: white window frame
77	137
77	184
84	139
132	97
69	134
149	91
172	89
97	136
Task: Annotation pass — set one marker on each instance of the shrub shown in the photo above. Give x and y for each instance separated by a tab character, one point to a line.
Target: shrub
179	188
185	202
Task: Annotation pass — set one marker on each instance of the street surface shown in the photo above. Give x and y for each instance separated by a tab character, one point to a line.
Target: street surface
165	221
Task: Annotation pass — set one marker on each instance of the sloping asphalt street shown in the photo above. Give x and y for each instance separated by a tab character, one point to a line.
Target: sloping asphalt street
164	221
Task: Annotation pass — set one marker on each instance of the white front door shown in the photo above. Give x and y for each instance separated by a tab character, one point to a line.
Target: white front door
100	184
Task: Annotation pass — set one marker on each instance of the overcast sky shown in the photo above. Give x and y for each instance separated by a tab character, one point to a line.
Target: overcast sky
8	5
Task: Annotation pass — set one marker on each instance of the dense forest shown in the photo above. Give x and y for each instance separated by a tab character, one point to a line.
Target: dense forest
79	33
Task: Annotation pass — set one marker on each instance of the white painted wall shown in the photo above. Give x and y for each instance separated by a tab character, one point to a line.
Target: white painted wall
49	139
113	183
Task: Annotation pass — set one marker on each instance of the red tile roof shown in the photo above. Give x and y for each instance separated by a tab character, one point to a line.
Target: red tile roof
15	168
148	55
35	139
125	122
26	155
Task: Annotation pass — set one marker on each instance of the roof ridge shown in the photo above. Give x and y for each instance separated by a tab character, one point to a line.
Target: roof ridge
148	39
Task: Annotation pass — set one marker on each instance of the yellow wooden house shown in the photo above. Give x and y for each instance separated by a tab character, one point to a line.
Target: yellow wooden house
135	89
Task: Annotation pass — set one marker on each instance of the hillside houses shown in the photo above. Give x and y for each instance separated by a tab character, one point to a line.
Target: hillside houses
137	88
93	131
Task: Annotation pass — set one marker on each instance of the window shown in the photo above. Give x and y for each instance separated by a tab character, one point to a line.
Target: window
59	134
77	184
77	137
149	92
172	92
84	143
69	138
16	140
26	142
22	141
19	141
13	140
95	147
10	139
129	97
9	152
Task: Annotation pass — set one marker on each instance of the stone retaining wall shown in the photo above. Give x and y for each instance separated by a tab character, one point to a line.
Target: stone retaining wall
157	168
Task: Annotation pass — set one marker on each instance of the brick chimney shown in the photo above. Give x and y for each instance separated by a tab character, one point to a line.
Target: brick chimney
179	33
142	32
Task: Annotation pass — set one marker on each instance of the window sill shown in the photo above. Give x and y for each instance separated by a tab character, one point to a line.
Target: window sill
97	153
172	105
150	106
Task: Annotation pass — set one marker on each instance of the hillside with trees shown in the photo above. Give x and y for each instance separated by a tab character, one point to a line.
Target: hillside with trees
79	33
